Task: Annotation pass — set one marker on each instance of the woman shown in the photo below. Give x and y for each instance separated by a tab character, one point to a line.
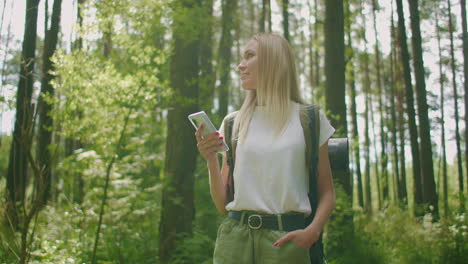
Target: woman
270	174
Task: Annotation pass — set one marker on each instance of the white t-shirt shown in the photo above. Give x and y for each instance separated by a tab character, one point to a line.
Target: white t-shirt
271	176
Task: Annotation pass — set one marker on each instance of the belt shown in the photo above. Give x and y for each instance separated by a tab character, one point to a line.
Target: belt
282	222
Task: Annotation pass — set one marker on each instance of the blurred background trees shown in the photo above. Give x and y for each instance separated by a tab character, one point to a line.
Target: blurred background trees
95	141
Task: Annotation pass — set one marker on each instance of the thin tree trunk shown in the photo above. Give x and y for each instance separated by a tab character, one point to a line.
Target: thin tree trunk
367	181
418	198
465	78
442	123
393	127
268	15
285	4
457	118
71	144
352	98
18	165
45	119
263	16
383	137
224	55
207	73
4	64
378	188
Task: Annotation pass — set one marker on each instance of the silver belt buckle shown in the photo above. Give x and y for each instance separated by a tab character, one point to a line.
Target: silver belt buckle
251	221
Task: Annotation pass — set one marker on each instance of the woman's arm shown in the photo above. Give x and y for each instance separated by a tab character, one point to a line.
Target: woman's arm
218	180
305	238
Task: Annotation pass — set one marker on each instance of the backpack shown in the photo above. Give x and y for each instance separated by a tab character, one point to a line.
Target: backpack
310	122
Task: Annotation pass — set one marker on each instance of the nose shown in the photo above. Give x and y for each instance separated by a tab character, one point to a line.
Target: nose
241	66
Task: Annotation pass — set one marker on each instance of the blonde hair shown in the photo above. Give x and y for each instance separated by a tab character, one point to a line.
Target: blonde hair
276	86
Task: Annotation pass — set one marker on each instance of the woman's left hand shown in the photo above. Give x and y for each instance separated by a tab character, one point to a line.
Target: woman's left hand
303	238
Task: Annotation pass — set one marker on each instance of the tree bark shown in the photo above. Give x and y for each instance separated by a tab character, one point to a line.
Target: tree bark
336	107
427	177
224	55
352	99
442	123
285	4
45	119
17	174
207	73
418	198
465	78
457	117
383	136
393	126
177	212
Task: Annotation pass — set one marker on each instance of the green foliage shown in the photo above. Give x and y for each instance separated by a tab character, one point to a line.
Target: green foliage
393	236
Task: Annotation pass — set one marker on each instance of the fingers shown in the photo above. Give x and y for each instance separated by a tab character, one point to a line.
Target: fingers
208	144
199	133
283	240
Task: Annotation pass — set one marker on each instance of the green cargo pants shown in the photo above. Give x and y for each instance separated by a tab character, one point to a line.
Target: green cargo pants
238	244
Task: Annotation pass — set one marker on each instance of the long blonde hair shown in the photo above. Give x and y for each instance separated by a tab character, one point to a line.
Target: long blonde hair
277	85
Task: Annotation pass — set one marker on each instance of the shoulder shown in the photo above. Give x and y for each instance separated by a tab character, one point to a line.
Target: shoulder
230	116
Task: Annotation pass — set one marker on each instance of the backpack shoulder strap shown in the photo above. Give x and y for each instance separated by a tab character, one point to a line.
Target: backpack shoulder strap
310	121
228	126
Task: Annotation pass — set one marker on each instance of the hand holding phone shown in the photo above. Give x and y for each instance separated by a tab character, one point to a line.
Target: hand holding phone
200	118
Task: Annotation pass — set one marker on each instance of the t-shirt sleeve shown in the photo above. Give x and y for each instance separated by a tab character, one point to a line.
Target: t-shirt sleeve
326	129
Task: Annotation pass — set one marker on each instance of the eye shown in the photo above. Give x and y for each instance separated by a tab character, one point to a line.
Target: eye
248	55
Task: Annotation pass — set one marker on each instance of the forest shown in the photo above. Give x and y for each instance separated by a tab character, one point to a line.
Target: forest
99	163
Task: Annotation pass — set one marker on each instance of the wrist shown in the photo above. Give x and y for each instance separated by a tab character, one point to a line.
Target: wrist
211	159
313	231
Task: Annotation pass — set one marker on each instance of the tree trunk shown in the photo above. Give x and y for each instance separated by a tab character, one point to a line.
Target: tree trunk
418	198
352	99
457	118
427	177
393	126
285	4
17	174
268	15
442	123
177	209
383	136
261	22
335	70
45	119
336	106
224	55
367	181
71	144
465	78
207	73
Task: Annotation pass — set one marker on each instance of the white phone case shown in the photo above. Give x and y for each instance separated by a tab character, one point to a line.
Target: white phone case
199	118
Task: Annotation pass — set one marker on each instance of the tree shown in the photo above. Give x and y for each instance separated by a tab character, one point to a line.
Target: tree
457	117
442	121
177	212
465	77
336	107
285	5
224	55
402	41
383	137
427	169
45	119
207	73
17	174
352	98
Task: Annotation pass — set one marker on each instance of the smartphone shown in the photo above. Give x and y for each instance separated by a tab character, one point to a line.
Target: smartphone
200	118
